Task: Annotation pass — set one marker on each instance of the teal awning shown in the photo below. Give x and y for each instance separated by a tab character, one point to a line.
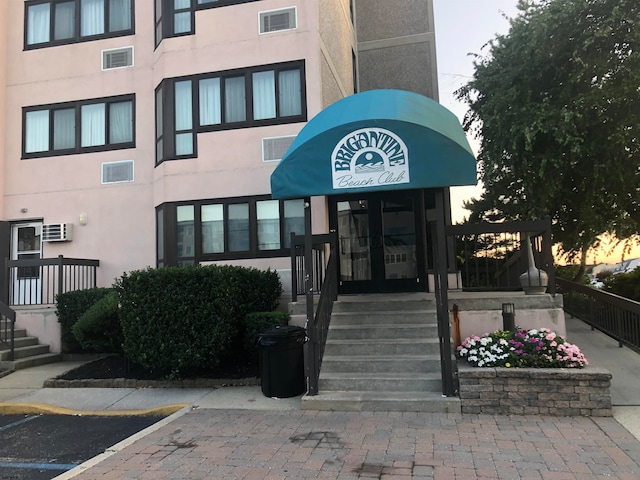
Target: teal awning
373	141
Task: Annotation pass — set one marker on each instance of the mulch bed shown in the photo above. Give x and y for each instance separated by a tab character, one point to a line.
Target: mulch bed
117	367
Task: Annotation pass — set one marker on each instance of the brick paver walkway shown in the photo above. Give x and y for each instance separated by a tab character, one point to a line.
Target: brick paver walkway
243	444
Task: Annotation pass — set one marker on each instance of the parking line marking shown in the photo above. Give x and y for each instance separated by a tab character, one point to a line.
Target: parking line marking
39	466
19	422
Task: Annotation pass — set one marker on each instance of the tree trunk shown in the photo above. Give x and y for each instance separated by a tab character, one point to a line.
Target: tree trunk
583	264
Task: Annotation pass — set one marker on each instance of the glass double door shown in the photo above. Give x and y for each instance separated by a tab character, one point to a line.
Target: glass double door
376	242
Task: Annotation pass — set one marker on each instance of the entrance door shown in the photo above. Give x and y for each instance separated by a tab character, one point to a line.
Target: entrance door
25	244
376	242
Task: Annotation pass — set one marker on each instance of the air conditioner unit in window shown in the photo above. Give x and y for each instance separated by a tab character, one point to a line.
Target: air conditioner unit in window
57	232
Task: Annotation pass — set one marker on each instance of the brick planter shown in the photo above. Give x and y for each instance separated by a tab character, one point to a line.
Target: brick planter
535	391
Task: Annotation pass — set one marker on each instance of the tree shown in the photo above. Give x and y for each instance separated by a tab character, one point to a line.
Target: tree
556	106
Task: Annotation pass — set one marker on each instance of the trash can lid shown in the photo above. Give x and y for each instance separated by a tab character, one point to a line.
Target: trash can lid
284	331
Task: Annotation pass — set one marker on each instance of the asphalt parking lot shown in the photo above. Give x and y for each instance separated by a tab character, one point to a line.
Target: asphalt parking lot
41	447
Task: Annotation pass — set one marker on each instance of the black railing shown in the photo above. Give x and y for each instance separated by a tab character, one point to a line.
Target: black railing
613	315
317	332
38	281
320	260
492	256
7	329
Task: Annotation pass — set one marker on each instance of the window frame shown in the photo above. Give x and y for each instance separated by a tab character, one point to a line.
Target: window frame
169	240
77	37
166	92
77	107
164	19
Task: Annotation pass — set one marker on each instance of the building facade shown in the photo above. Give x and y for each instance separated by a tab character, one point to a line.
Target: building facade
143	133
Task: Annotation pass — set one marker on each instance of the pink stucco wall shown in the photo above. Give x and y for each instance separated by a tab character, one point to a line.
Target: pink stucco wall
120	229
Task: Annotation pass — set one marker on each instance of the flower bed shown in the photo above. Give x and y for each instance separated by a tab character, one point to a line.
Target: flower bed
529	372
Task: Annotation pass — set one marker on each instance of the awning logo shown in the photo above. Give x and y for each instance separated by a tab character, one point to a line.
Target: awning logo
369	157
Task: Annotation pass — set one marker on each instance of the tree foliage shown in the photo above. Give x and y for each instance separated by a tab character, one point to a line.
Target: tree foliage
556	106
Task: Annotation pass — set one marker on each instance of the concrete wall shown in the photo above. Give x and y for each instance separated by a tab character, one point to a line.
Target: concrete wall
41	322
481	313
396	45
4	43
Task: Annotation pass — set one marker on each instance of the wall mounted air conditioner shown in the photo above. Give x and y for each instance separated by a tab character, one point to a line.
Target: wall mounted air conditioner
57	232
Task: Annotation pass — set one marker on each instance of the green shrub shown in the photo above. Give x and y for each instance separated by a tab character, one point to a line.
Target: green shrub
569	272
69	308
182	318
624	284
98	328
258	322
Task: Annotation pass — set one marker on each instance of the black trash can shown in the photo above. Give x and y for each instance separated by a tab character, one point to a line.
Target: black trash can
281	353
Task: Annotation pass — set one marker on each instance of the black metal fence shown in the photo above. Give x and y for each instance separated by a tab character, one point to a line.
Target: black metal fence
616	316
492	256
38	281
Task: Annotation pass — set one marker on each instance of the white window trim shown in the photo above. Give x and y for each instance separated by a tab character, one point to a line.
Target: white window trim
133	172
295	14
133	57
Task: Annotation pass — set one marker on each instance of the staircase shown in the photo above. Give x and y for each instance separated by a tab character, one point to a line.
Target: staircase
382	353
27	353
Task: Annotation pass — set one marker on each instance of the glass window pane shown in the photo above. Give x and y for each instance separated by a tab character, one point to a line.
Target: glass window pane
119	15
268	215
293	220
64	129
209	91
38	23
238	225
235	109
184	105
65	20
37	131
121	122
212	229
264	95
184	144
181	4
160	235
290	93
91	17
182	22
93	125
186	235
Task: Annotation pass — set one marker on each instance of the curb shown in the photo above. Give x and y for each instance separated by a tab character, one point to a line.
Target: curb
17	408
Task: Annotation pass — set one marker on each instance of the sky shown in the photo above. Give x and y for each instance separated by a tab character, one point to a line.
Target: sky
463	27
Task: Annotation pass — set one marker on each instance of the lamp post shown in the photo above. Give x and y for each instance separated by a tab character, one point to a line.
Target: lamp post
508	317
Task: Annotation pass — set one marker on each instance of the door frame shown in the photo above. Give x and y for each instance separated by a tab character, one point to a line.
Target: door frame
26	290
378	282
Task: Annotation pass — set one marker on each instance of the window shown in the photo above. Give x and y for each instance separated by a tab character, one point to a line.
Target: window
225	229
57	22
175	18
77	127
264	95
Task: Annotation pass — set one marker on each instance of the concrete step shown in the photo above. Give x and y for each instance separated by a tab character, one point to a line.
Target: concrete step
17	333
426	346
32	361
430	402
380	382
20	342
399	317
391	302
23	352
386	331
380	364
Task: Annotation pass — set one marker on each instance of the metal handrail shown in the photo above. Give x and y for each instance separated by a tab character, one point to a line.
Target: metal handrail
318	331
7	330
612	314
319	261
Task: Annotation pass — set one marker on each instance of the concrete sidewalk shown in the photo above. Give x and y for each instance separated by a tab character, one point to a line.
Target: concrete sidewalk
237	432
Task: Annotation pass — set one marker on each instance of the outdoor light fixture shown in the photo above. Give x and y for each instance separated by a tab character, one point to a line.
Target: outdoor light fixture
508	317
83	219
